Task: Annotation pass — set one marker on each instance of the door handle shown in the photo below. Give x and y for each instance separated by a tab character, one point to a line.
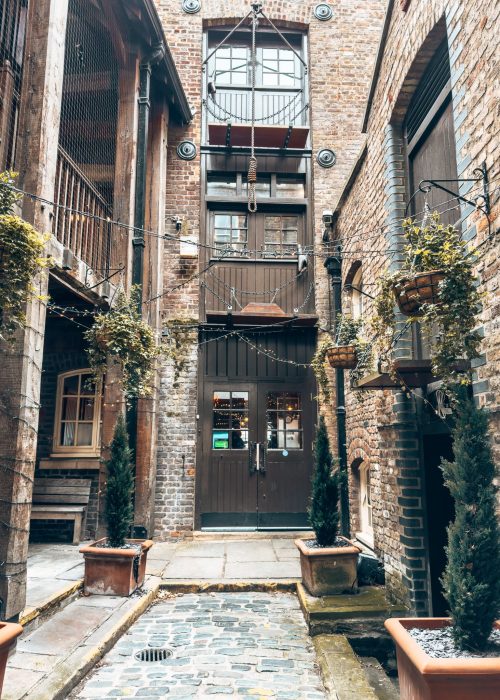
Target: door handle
257	458
263	466
252	467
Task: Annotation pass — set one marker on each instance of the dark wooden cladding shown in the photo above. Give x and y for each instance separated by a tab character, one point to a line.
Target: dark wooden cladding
233	358
258	277
227	163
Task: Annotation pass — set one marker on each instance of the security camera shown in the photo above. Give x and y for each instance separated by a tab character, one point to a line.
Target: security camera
328	217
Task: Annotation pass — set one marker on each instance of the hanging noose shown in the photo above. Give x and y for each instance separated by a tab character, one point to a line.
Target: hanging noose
252	166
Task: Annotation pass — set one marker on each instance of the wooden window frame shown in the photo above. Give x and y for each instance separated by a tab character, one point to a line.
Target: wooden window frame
92	450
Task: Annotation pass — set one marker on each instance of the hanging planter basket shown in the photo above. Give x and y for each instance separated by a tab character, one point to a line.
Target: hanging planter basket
342	356
413	292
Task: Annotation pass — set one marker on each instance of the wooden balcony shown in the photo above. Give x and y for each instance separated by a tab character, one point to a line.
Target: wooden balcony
281	118
82	219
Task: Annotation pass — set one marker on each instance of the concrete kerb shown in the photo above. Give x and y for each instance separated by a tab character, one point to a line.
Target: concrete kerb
31	615
69	672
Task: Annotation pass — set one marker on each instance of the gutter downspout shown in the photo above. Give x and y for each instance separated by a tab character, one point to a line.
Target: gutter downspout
138	241
333	266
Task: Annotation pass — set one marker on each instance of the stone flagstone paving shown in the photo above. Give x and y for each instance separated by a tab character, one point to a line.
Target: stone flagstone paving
238	645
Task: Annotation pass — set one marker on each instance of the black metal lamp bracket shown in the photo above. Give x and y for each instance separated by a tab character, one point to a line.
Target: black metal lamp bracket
480	174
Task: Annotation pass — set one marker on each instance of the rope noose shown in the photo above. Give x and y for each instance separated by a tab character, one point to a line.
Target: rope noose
252	166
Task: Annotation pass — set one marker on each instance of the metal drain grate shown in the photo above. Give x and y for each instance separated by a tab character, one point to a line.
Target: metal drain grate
153	654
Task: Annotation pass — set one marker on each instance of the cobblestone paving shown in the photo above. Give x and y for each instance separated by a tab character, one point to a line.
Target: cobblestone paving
238	645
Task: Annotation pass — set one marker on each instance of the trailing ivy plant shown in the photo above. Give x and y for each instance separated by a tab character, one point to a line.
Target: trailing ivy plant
21	260
450	324
179	334
348	331
123	337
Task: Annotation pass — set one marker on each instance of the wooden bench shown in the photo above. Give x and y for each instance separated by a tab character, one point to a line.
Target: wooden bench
61	499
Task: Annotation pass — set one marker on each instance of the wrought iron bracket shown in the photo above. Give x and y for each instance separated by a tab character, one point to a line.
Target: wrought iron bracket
481	175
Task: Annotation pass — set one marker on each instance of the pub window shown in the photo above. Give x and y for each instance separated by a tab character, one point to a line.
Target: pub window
221	185
279	68
230	420
230	233
290	187
77	414
232	65
281	236
284	421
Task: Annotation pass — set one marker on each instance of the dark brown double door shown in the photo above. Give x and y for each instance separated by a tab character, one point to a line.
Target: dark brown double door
256	457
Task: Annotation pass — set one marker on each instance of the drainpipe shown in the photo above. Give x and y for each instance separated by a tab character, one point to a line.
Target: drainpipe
333	266
138	242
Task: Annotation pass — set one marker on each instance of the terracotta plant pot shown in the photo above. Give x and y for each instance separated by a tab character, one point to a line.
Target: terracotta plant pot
329	570
9	632
112	571
424	678
411	293
342	356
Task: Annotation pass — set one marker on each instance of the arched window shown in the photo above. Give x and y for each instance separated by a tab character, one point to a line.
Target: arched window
76	429
365	504
357	294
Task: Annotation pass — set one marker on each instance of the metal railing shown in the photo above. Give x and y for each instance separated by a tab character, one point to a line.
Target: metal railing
279	107
82	219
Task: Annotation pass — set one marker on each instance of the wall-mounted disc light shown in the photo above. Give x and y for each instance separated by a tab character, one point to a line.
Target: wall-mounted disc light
326	158
186	150
323	12
191	6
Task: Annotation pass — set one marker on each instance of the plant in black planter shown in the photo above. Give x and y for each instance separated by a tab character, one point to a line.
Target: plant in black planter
429	664
116	565
472	576
329	564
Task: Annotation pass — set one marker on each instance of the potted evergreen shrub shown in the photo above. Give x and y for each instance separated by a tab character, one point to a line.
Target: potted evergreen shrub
9	632
468	668
329	562
115	565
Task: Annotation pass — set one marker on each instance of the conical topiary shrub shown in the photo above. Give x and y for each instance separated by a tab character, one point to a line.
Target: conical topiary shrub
324	508
119	487
472	576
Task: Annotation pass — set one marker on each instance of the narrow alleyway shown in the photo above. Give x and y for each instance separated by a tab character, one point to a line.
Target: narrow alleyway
221	644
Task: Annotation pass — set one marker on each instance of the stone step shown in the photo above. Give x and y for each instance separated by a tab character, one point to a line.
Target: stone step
341	670
384	688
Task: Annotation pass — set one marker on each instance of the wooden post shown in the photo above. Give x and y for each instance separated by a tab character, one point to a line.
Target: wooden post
22	362
147	409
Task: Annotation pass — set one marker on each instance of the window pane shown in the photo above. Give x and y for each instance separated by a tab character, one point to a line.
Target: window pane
239	439
84	434
68	434
222	420
240	399
262	187
220	440
69	408
222	399
86	409
221	186
290	189
294	440
222	221
87	385
71	384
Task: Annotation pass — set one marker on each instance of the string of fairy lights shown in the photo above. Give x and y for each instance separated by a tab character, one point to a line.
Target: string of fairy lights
328	248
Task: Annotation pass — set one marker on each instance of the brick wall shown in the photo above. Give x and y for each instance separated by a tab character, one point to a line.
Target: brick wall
341	56
384	425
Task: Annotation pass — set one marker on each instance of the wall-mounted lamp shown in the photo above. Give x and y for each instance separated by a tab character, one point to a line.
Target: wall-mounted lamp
177	221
